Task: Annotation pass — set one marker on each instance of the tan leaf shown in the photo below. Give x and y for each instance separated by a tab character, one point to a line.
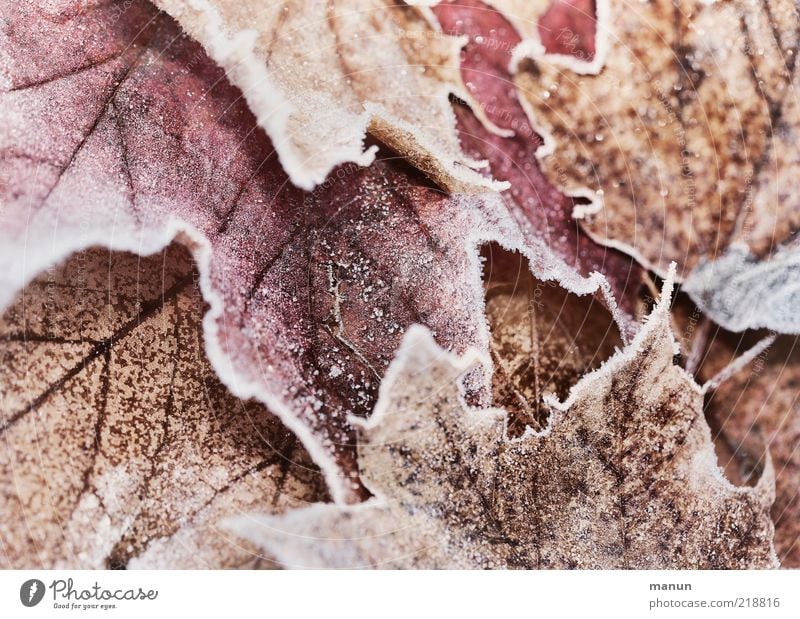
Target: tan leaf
686	139
624	476
319	74
755	409
120	447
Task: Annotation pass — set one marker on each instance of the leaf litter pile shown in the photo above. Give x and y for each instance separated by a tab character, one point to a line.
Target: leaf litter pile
372	283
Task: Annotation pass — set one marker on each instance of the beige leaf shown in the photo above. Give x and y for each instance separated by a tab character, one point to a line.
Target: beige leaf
624	476
686	141
120	447
319	74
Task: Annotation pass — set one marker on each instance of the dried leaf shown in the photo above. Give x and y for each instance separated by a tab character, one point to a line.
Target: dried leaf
757	409
120	445
686	140
318	74
309	293
568	32
540	210
564	30
624	476
380	50
741	290
130	136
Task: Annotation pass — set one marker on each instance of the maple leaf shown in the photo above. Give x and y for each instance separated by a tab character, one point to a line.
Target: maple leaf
319	74
755	410
293	44
398	42
309	292
120	445
686	142
541	211
625	475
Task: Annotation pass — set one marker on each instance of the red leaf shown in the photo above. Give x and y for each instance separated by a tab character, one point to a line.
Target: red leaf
540	209
568	28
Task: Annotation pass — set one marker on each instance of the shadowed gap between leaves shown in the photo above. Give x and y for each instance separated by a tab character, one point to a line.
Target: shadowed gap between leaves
543	338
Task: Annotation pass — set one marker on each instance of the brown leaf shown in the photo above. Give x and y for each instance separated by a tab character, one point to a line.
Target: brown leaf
757	409
318	74
686	140
625	476
309	292
120	445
